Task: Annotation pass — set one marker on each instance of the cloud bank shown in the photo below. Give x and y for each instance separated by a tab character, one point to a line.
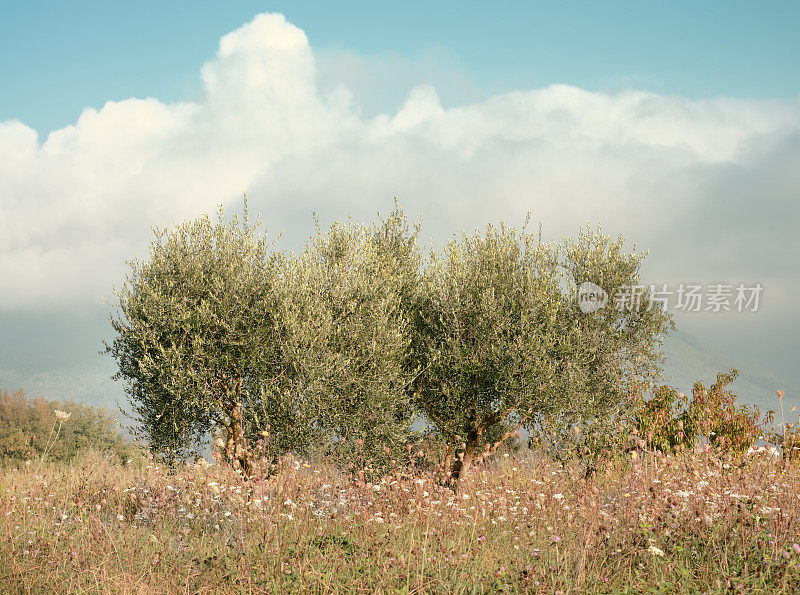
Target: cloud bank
710	186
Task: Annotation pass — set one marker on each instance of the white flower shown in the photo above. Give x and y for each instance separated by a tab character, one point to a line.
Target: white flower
558	496
655	551
61	415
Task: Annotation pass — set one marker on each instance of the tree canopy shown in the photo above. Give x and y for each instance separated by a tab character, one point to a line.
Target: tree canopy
342	346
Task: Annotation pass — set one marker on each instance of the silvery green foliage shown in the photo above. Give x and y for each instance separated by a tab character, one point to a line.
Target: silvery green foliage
348	328
503	345
620	347
196	326
338	347
282	353
622	344
488	330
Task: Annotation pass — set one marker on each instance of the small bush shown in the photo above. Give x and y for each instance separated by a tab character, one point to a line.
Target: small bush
664	421
668	421
788	438
31	428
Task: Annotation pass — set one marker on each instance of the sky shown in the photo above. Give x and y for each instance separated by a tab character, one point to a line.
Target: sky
675	124
59	57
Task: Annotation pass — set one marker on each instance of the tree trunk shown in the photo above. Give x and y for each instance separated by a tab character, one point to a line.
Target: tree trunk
448	459
235	445
465	457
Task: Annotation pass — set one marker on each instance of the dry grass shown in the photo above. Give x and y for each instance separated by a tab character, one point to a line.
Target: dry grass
684	524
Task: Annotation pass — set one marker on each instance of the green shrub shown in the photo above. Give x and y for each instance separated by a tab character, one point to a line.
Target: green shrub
727	425
58	431
789	441
665	422
669	421
590	442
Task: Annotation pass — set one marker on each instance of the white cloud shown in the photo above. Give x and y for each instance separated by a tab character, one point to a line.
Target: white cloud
693	180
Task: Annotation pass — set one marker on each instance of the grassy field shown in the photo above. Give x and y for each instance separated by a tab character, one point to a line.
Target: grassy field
686	523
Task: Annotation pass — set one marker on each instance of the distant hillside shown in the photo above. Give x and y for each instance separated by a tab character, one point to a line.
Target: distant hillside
88	385
689	360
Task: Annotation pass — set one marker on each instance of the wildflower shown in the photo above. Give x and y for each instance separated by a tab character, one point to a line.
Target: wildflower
61	415
556	539
655	550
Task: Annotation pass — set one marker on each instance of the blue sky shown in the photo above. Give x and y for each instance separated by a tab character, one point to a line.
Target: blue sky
58	57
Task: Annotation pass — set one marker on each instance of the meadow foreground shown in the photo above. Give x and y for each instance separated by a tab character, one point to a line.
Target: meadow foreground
687	523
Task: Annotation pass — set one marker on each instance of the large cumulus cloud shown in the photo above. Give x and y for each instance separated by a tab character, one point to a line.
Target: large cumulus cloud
710	186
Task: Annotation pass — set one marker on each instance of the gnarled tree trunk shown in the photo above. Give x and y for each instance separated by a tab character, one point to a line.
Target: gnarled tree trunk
468	454
465	456
235	444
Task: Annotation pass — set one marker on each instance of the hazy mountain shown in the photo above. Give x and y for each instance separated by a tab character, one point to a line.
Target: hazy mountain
689	360
88	379
89	385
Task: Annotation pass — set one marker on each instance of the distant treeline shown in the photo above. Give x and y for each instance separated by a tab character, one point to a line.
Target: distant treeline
32	428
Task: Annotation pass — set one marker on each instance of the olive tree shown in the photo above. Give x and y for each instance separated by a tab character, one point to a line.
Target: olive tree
624	337
195	334
350	335
487	328
621	343
503	345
